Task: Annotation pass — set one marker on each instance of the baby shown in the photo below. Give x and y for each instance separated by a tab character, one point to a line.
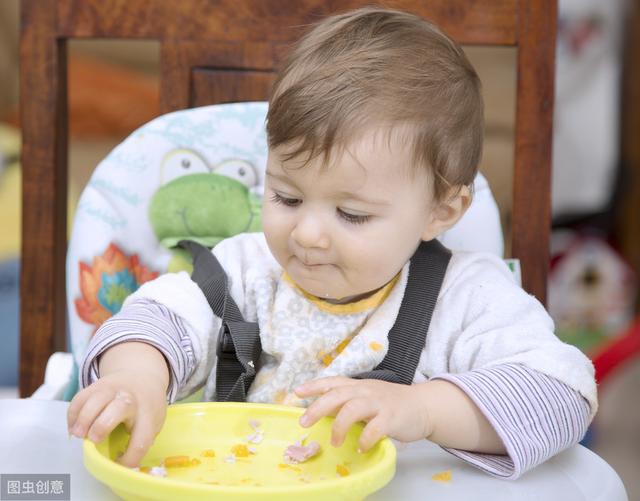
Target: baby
375	135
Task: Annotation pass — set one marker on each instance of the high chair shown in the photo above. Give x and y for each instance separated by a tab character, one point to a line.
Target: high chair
225	51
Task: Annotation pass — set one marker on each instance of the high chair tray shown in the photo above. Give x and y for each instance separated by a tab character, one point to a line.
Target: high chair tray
34	440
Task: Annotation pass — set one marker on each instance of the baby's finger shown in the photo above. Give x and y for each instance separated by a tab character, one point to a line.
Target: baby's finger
322	385
120	409
372	433
358	409
142	436
328	404
76	404
93	406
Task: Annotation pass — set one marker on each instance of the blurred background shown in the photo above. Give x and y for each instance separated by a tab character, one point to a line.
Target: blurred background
113	89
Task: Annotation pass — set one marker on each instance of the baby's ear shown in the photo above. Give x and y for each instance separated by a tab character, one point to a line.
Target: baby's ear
447	212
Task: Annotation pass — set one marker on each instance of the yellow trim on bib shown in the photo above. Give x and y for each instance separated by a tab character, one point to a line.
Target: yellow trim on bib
367	303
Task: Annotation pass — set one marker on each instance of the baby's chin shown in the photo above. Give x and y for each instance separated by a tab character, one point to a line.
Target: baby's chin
318	288
334	296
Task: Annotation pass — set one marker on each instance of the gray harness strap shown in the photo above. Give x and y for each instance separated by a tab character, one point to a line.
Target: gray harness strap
239	345
409	333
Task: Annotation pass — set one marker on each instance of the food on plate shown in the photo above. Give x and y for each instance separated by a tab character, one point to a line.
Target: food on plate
240	451
342	470
299	453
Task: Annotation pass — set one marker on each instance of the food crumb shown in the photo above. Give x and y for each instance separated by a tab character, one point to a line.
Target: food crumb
342	470
256	438
442	476
240	451
299	453
158	471
177	462
258	435
375	346
208	453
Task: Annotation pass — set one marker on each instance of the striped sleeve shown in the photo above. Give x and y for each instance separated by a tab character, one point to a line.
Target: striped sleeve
535	415
145	321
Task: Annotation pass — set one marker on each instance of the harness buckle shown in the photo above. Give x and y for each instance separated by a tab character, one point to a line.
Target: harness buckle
225	349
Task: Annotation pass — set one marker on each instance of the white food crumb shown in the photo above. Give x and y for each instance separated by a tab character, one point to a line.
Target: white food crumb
158	471
256	438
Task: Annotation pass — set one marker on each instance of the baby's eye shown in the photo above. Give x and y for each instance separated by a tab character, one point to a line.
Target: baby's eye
289	202
353	218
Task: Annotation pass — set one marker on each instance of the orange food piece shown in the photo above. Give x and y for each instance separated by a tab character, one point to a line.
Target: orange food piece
375	346
327	359
240	451
145	469
177	461
195	462
442	476
208	453
342	470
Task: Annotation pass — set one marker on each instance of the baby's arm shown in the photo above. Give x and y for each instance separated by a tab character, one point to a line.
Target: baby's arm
131	390
453	419
139	359
497	345
535	415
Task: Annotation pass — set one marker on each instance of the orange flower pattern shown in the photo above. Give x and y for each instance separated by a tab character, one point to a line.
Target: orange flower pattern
107	282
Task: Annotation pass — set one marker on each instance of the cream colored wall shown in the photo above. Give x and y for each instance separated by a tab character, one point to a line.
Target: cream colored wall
497	70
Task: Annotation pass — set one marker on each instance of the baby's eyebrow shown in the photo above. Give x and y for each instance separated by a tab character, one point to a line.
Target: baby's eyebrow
282	178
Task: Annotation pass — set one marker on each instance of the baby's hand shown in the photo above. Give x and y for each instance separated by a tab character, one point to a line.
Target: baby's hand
389	409
131	397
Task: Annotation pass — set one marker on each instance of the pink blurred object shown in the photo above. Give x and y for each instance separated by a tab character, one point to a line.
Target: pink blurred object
298	453
619	351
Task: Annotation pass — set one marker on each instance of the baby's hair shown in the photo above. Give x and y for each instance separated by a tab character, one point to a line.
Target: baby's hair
376	66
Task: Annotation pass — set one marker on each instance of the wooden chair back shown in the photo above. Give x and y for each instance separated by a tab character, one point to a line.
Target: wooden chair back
216	51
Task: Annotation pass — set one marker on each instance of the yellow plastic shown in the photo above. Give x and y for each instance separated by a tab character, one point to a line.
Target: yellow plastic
195	429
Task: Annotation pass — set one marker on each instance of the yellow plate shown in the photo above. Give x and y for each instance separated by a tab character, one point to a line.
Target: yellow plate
191	429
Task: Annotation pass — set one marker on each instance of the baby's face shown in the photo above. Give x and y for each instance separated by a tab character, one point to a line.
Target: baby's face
345	229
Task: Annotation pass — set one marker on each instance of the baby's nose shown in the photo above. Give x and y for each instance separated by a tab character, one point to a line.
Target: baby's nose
310	232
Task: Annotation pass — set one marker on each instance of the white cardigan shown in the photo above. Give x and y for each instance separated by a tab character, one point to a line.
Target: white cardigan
482	319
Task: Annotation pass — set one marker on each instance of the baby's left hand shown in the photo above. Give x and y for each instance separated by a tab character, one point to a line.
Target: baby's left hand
393	410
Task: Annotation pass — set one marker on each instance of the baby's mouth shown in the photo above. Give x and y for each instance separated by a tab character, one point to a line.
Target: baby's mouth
311	264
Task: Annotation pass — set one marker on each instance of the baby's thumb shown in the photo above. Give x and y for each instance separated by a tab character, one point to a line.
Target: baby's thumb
142	436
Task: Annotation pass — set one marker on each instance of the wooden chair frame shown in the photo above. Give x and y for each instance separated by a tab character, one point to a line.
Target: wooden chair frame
223	50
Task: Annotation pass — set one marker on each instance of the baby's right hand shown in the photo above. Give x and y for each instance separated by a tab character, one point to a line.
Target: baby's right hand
134	398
